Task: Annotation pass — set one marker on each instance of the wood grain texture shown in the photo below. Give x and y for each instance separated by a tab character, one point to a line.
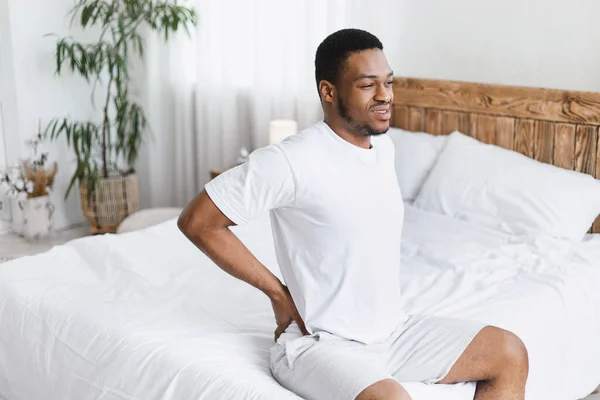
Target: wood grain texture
486	129
467	124
524	137
564	146
596	226
433	121
505	132
543	136
598	155
400	117
585	149
449	122
500	100
416	119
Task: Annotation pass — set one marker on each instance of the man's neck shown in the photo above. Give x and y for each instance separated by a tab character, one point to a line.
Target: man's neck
345	133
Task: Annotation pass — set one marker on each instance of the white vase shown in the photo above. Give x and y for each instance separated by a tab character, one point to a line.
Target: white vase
37	217
16	217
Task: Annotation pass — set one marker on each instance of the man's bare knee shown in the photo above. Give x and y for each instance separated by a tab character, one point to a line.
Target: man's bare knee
494	354
387	389
513	355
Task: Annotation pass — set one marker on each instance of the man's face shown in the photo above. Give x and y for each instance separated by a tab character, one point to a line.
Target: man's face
364	93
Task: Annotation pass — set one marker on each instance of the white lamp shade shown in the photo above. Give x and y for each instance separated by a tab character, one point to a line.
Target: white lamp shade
279	129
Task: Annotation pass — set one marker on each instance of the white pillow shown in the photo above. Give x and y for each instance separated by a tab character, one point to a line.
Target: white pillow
416	153
489	185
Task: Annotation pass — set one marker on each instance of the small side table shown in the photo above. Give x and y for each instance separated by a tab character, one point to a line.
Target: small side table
215	172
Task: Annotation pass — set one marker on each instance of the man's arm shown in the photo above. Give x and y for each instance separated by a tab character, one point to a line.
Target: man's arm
208	228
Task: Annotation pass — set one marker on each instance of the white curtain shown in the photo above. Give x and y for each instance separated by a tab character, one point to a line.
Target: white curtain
248	62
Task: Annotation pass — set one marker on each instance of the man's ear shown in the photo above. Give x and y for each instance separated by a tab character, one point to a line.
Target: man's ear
327	91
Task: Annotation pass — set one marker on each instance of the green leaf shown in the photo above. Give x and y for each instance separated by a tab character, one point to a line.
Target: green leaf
81	53
130	9
109	12
86	14
121	64
140	46
71	56
174	19
121	27
59	57
89	133
64	127
74	178
76	139
69	130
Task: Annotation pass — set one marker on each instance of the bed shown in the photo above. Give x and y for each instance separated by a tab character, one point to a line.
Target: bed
144	315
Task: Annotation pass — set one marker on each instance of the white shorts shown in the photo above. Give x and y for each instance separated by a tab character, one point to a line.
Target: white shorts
323	366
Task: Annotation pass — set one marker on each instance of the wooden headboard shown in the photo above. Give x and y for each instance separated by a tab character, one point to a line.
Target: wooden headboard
553	126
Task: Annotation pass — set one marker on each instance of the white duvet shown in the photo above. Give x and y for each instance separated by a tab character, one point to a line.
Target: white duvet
146	316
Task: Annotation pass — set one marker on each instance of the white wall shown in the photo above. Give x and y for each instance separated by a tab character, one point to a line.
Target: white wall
4	217
8	107
539	43
8	110
543	43
39	94
3	162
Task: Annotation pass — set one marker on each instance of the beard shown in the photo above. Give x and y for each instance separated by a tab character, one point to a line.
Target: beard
359	129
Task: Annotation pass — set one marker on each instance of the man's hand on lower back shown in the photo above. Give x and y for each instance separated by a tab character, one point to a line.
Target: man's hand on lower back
285	312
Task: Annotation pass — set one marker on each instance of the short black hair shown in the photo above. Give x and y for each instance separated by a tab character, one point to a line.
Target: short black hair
333	52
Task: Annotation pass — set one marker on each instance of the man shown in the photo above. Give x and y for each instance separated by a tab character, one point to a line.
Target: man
337	213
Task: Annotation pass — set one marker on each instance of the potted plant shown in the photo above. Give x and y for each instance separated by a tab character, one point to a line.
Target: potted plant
106	150
29	185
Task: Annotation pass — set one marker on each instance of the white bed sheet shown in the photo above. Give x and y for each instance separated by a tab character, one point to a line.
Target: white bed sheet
145	315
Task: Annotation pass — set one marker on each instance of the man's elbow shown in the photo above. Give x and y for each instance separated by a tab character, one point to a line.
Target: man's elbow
188	223
200	219
182	222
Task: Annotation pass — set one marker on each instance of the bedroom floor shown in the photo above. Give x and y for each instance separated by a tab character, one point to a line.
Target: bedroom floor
13	246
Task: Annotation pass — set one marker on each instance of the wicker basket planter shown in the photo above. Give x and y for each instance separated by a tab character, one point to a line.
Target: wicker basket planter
113	200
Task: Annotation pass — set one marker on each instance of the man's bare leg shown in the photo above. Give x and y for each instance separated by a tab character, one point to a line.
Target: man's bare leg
498	360
387	389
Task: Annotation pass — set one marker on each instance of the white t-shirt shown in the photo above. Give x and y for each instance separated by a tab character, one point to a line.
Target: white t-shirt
336	214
